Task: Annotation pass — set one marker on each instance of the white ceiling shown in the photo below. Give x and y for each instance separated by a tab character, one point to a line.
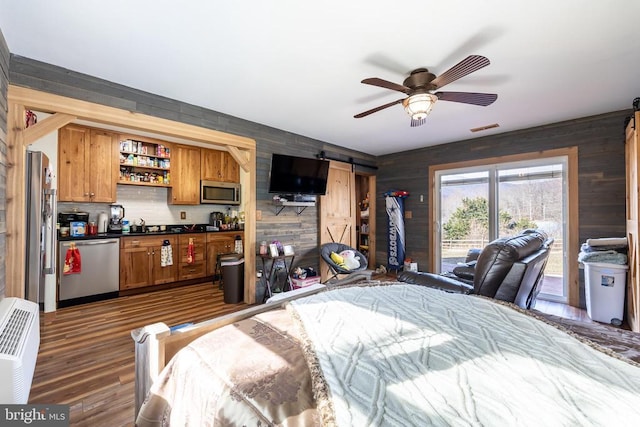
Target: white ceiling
297	65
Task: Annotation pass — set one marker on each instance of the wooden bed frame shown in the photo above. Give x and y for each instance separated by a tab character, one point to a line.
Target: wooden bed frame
156	344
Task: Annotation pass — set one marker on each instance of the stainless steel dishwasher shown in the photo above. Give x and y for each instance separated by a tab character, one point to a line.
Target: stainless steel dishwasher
99	269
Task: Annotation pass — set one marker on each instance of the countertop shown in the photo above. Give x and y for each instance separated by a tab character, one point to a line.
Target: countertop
171	229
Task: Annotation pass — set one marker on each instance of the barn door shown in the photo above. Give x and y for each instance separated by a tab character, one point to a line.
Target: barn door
633	210
338	210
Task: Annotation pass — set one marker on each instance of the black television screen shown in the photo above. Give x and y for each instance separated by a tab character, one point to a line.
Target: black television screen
298	175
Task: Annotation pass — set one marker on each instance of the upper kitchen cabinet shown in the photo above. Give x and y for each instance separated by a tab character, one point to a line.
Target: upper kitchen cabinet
219	166
185	175
87	168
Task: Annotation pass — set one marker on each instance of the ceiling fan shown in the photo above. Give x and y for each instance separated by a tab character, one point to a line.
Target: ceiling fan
421	83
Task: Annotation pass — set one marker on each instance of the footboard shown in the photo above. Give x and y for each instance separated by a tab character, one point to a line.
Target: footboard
156	344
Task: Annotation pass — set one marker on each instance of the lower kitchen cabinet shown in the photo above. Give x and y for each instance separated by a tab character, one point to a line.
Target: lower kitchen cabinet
141	262
220	243
195	269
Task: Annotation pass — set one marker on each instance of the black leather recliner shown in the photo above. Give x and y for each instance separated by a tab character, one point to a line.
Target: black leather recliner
508	269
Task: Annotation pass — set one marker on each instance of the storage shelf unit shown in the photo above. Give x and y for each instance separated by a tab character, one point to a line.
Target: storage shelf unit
298	206
144	162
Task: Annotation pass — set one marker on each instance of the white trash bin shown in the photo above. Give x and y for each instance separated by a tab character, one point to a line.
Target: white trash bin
605	286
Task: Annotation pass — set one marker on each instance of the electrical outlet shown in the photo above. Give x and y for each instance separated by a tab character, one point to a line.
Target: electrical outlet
408	215
258	215
183	215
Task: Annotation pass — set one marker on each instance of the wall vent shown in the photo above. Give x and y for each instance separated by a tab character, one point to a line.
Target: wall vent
19	343
481	128
13	332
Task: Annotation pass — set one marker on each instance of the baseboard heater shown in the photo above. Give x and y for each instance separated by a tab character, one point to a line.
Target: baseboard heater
19	343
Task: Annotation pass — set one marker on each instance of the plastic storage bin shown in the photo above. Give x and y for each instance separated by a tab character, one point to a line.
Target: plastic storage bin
232	278
605	286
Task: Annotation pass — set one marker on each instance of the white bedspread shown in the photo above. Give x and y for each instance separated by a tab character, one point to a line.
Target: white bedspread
408	355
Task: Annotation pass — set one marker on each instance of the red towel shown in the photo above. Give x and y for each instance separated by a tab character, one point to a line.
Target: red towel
72	260
191	252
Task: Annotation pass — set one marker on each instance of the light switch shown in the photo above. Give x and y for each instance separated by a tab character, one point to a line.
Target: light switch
183	215
258	215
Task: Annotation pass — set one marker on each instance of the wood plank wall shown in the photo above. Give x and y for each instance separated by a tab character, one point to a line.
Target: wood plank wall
601	165
4	84
286	227
600	140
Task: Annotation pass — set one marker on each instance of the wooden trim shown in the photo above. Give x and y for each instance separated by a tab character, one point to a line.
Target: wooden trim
241	157
248	180
571	246
45	127
64	108
50	103
372	221
16	198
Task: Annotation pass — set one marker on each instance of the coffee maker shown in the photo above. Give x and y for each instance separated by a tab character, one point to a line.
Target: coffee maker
216	219
116	215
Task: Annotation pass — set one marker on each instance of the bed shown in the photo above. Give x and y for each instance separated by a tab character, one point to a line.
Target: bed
386	354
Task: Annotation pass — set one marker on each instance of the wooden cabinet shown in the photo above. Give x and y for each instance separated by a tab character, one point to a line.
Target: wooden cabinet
216	165
141	262
220	243
196	267
87	168
185	175
144	161
632	153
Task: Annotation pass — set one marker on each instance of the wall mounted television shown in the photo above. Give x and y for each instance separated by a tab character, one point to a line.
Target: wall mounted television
298	175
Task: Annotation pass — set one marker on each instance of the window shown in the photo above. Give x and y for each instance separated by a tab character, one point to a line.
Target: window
477	204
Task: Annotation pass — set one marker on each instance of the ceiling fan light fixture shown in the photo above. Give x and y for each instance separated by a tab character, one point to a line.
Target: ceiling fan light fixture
419	105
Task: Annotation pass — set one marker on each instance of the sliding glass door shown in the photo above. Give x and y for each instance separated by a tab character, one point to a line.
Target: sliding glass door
479	204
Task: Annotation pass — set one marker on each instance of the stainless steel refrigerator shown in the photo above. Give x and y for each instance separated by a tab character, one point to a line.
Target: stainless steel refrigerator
41	230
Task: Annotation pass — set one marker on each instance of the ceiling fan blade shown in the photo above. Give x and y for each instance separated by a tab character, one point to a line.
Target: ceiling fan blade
374	81
465	67
374	110
482	99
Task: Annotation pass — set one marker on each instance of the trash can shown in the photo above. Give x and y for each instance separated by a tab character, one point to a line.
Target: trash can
605	286
232	278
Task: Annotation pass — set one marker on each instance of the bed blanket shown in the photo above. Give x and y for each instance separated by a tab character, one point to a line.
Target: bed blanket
251	373
409	355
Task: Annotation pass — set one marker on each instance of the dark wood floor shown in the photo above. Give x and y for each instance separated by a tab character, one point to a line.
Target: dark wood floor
86	357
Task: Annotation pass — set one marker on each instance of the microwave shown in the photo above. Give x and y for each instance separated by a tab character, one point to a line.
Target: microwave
220	193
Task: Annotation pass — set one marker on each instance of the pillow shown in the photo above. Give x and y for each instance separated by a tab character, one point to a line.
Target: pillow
339	260
350	259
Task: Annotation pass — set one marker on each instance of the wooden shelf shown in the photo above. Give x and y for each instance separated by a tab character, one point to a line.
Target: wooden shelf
144	167
147	184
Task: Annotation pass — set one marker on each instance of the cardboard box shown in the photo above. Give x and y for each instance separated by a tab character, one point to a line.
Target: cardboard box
410	266
301	283
78	229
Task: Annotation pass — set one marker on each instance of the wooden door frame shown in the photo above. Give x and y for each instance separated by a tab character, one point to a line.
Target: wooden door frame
66	110
372	217
572	245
